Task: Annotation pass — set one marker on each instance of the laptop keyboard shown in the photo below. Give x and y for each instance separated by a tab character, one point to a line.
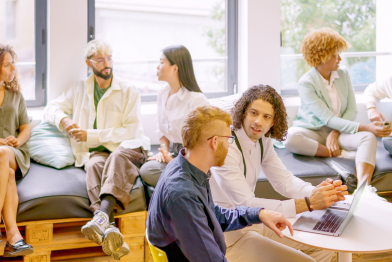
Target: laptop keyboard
330	221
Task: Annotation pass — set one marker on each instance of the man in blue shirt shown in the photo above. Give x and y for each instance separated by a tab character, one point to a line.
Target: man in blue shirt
182	219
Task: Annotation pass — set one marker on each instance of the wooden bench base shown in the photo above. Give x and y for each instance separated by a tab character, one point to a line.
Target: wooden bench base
61	239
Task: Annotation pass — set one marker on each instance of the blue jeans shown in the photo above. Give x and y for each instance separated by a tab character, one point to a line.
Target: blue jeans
387	141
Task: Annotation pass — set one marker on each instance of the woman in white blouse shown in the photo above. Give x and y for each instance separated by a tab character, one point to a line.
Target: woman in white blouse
175	101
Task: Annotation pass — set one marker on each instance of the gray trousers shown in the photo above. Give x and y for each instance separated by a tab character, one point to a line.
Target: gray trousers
114	174
304	141
152	170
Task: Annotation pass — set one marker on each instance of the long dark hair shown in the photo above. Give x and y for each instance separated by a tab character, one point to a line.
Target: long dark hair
180	56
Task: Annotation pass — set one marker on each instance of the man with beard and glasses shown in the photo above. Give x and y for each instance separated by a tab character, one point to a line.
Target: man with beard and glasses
258	116
106	138
182	219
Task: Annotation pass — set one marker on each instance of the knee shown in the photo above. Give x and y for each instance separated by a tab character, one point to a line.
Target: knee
291	142
4	152
151	171
369	137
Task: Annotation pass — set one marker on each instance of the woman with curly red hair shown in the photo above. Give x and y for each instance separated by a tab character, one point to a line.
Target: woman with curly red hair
14	155
325	121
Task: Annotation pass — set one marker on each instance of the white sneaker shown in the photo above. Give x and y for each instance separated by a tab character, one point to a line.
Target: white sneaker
95	228
122	251
371	192
348	154
113	240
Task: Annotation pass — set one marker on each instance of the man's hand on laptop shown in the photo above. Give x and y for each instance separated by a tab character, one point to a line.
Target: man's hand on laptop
326	194
341	190
275	221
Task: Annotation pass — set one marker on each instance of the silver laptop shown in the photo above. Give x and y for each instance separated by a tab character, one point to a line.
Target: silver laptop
330	221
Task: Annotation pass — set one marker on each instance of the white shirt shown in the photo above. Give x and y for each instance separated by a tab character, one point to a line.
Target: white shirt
173	111
230	188
333	93
118	117
379	90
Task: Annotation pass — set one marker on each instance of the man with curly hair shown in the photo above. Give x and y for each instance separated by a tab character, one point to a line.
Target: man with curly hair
258	116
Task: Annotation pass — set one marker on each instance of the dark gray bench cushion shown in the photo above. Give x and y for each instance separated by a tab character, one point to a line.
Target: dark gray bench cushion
48	193
314	171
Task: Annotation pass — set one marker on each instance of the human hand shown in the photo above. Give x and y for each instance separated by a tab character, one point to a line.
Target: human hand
378	130
167	156
333	144
375	115
158	157
323	196
275	221
3	142
68	124
79	134
341	190
12	141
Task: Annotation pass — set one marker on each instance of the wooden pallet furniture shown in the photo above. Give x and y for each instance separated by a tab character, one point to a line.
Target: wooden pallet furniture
61	239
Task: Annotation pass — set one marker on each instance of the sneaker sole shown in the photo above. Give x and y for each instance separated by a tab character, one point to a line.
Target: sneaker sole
92	233
122	252
19	253
113	242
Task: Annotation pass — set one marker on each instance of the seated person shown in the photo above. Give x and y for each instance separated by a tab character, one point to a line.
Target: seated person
14	155
181	96
182	219
373	94
258	116
325	120
107	138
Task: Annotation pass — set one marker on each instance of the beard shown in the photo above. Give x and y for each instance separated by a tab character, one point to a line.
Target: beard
100	73
220	154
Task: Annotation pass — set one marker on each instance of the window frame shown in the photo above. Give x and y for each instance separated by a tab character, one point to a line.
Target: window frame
40	54
231	45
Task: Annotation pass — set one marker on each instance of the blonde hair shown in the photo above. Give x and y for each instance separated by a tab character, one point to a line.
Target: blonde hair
14	85
319	46
97	46
202	122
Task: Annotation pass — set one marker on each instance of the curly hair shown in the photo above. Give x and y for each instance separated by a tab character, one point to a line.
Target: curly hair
319	46
14	85
268	94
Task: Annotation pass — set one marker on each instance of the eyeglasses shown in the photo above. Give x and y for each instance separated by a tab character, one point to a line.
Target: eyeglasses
102	60
230	139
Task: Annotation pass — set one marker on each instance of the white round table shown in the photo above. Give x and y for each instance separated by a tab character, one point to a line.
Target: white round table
369	231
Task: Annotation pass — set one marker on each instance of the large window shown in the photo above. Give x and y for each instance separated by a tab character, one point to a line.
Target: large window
354	20
23	27
139	30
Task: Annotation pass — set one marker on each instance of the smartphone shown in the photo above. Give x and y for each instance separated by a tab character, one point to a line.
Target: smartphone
387	125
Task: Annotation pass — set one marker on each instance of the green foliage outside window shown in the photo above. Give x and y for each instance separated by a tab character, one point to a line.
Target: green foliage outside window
354	20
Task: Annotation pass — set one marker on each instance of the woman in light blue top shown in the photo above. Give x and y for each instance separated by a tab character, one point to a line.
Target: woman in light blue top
325	121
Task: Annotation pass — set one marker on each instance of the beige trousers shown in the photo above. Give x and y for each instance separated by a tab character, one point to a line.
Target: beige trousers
304	141
259	244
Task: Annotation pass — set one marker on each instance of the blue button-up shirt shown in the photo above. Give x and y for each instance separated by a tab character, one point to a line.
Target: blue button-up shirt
183	220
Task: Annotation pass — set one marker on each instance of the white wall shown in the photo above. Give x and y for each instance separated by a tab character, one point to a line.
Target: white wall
67	37
259	43
383	37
